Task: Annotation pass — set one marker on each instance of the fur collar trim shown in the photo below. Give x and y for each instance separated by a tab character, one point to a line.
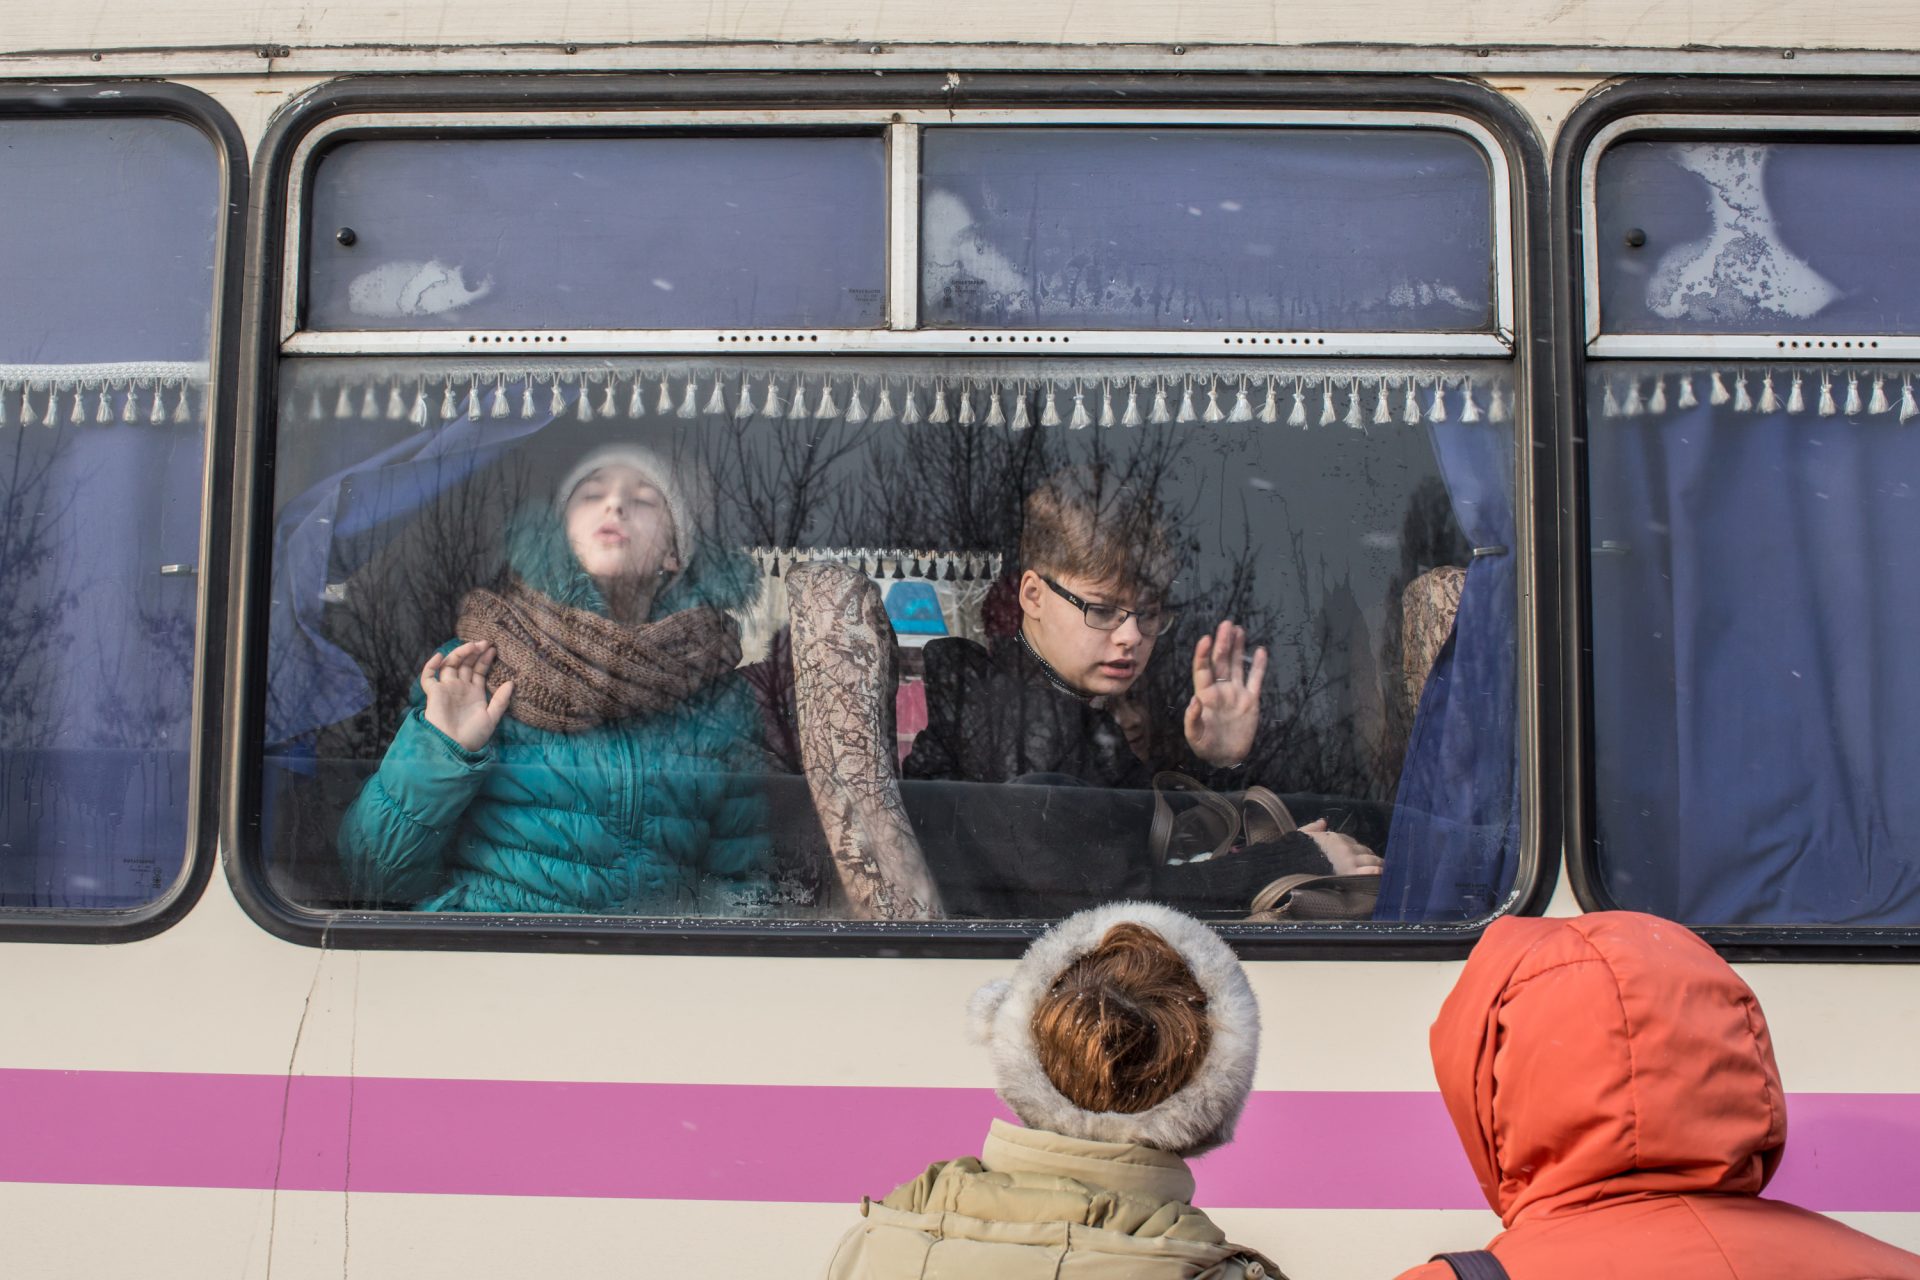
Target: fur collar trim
1200	1116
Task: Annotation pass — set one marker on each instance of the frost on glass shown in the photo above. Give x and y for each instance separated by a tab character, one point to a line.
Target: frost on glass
1303	502
108	237
554	233
1758	237
1277	229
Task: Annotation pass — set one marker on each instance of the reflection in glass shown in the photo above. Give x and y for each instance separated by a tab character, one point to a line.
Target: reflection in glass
1300	502
1265	229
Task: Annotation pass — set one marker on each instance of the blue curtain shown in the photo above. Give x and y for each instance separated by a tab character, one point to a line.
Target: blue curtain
1755	693
1453	847
109	231
97	689
109	228
318	539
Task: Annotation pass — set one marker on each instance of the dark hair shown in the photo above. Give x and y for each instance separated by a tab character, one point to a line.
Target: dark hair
1124	1027
1084	523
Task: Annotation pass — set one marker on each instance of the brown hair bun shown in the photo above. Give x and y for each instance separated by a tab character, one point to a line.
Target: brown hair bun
1124	1027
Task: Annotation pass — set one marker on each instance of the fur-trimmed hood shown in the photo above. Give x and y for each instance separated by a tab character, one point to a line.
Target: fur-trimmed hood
1202	1115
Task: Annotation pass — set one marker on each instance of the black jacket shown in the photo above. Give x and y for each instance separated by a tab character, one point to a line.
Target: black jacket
1001	714
1075	832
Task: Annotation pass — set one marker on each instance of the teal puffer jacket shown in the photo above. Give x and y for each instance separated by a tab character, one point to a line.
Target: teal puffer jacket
657	815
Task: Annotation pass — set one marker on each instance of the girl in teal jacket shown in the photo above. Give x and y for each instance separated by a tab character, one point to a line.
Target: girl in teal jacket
585	745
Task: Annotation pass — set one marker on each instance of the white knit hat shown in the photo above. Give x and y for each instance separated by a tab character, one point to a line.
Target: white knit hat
680	486
1196	1119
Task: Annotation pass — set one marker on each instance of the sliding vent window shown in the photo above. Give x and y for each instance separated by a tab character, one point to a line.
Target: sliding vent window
109	233
598	233
1747	237
1755	531
1330	230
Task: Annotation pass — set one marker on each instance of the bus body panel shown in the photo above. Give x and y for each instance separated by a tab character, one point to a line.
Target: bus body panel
201	1094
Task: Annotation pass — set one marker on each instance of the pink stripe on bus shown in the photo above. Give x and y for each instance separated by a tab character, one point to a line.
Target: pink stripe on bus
1306	1150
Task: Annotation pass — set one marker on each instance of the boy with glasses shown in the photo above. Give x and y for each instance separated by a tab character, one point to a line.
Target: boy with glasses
1058	704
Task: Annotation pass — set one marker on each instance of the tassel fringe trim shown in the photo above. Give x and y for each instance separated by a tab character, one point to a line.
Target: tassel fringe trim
885	563
1796	392
1200	402
128	394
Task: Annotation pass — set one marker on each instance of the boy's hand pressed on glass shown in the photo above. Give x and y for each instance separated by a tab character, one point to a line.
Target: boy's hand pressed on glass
1225	710
457	703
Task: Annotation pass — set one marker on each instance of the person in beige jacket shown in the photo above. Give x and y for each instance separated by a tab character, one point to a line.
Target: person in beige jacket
1125	1042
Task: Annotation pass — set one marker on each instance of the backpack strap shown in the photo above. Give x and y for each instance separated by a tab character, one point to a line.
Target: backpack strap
1477	1265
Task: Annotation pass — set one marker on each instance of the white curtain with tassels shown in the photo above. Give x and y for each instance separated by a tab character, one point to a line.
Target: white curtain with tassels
1299	396
53	395
1828	391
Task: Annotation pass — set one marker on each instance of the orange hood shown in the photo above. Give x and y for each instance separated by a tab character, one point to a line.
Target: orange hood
1612	1055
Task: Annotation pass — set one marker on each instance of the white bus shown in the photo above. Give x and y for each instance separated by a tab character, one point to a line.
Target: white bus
1536	386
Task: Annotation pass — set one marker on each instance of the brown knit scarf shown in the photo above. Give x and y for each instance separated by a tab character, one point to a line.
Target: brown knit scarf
573	669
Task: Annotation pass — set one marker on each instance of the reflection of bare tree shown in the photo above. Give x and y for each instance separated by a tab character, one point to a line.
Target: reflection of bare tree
823	482
33	609
388	616
771	478
401	606
1308	741
954	487
144	691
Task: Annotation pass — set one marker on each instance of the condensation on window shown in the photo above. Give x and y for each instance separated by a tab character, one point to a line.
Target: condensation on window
1742	267
1753	237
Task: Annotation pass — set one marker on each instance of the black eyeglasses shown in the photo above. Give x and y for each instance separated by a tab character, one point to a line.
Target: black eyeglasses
1111	617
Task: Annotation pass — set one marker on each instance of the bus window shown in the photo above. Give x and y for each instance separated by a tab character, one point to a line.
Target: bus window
1753	528
895	629
1733	239
1338	229
583	233
109	234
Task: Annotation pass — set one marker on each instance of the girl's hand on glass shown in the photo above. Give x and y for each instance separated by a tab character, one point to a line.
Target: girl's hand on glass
1348	856
457	701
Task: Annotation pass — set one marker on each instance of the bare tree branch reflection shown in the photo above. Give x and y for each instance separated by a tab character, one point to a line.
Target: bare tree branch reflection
34	601
1284	561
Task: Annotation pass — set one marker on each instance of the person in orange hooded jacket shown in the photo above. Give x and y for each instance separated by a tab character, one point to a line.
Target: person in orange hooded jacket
1613	1083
